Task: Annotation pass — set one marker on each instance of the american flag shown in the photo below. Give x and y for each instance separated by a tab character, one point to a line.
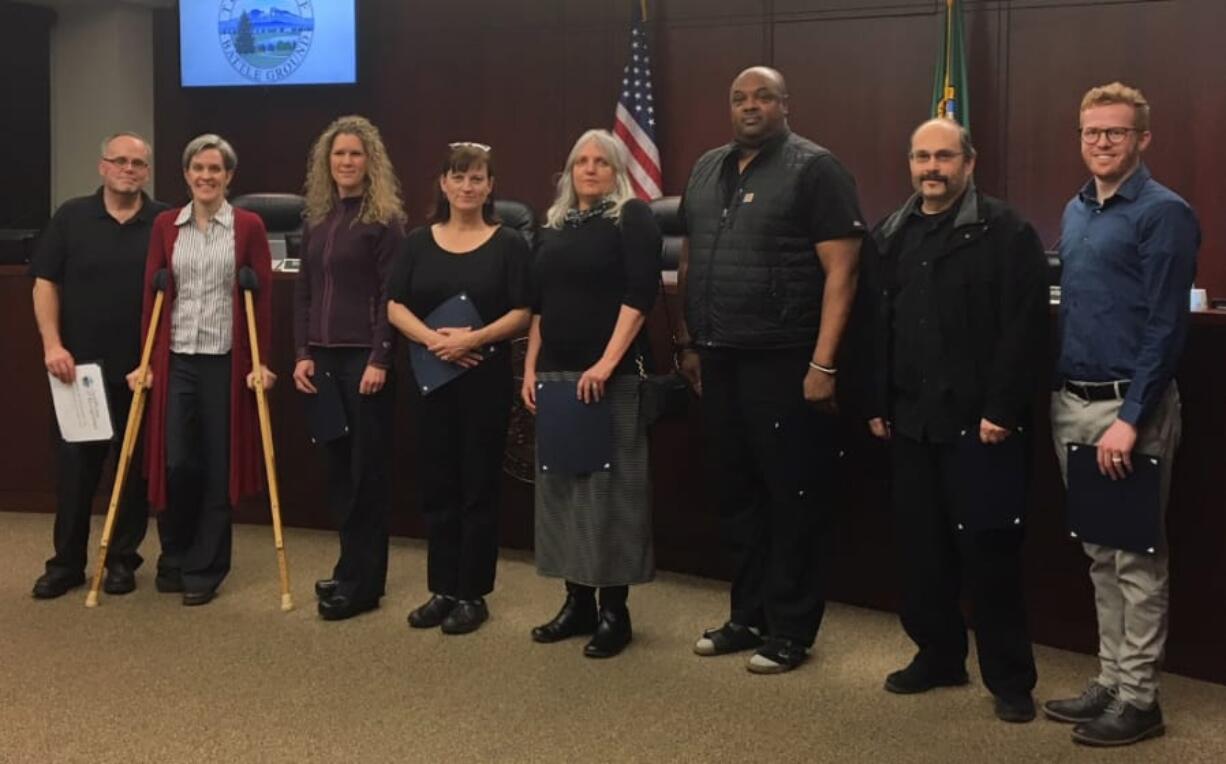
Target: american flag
635	124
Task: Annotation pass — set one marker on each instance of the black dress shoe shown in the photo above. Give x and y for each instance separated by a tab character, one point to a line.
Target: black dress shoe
119	580
1016	709
192	599
1121	723
326	587
48	587
168	582
433	612
577	617
917	677
338	607
467	616
613	633
1086	707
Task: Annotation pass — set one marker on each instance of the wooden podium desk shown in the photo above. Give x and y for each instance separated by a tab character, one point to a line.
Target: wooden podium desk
862	565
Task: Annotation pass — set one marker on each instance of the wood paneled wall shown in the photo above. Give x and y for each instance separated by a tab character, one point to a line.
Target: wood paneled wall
25	115
527	76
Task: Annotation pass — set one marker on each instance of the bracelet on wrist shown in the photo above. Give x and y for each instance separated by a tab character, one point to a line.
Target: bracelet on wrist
830	370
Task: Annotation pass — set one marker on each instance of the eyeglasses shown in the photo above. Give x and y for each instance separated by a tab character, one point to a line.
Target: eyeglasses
1114	134
469	145
942	157
124	163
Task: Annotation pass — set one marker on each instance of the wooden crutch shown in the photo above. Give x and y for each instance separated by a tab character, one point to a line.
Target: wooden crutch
249	282
131	432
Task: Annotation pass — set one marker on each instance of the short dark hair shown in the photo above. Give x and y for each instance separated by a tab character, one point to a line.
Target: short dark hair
461	157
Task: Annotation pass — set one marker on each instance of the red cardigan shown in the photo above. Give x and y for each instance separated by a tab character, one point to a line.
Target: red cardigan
246	461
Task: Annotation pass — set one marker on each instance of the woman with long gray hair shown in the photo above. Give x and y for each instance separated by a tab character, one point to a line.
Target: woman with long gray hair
597	271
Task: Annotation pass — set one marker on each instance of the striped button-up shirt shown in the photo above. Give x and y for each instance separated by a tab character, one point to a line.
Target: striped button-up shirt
203	316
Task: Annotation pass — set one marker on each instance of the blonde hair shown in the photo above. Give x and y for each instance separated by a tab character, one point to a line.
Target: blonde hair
1118	92
566	198
381	202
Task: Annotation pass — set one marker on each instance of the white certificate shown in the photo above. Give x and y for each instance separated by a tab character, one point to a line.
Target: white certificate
81	407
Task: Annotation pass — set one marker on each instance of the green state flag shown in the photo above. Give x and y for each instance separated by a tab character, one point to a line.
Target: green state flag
950	95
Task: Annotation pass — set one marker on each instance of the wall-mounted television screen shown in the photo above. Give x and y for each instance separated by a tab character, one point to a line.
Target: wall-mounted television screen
267	42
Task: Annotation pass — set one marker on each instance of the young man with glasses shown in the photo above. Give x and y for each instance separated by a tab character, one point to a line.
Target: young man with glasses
1128	246
88	284
961	325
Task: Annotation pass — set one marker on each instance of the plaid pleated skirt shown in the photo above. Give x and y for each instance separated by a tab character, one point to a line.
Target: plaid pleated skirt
596	529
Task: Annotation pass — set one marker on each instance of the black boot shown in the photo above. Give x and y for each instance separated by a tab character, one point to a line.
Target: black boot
577	616
613	631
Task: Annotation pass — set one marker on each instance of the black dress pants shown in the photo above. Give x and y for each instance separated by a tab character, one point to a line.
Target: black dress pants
461	438
770	459
941	562
79	470
195	528
358	487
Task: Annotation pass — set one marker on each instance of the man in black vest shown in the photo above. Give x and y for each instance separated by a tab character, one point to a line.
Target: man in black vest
961	332
89	274
768	278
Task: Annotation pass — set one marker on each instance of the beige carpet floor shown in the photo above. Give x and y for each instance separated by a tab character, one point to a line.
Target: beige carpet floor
142	678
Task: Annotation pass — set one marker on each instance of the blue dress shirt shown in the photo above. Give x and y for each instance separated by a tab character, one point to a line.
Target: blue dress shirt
1128	266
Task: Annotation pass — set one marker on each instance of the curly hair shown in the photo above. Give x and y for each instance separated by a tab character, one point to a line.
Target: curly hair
1118	92
381	203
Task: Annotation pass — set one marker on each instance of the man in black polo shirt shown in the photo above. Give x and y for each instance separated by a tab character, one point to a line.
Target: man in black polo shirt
768	278
88	283
961	329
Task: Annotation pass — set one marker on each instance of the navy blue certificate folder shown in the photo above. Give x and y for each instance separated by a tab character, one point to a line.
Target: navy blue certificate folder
326	411
990	481
1121	514
572	437
429	370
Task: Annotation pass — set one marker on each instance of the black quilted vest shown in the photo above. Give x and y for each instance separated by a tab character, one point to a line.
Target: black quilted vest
754	280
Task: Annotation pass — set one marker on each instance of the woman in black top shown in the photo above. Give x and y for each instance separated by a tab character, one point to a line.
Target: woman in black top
343	343
462	423
598	271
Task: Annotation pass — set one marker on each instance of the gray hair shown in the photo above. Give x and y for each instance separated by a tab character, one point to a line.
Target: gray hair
125	134
964	134
210	141
566	198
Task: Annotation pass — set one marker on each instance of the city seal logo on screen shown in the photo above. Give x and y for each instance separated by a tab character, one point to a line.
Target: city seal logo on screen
265	40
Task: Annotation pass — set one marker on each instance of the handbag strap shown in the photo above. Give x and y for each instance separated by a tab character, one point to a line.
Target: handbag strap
645	344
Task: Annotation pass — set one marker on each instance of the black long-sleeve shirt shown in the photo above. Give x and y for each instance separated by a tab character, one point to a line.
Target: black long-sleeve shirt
919	368
584	275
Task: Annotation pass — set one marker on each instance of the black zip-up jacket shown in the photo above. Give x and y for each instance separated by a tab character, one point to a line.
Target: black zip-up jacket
988	298
340	299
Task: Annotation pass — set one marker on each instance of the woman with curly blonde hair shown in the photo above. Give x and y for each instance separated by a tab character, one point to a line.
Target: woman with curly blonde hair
354	225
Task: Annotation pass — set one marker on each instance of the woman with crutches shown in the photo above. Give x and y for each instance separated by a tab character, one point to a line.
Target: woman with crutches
202	445
354	225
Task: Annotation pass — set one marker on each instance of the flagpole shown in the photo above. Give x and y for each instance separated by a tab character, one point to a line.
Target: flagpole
949	55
